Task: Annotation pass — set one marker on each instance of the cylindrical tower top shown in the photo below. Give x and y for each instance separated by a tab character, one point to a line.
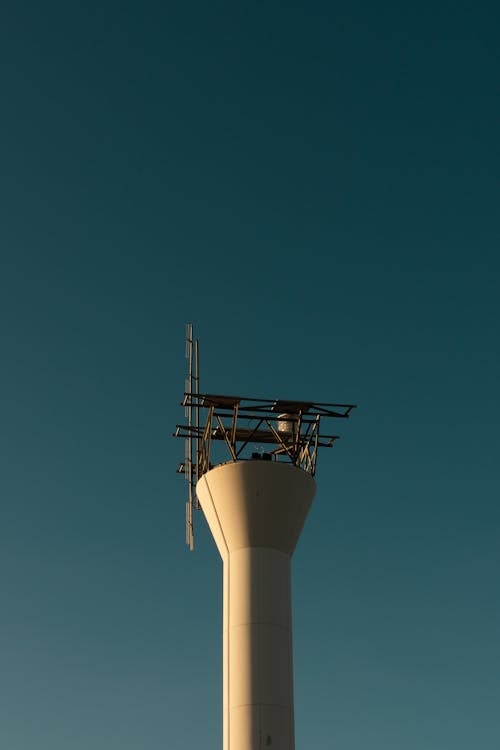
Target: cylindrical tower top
256	504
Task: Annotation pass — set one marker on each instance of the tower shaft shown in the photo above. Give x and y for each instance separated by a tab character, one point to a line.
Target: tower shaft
256	510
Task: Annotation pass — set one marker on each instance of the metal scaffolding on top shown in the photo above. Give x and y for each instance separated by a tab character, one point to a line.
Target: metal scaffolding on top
291	431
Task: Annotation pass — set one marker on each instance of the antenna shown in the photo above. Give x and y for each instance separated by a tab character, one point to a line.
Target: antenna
190	465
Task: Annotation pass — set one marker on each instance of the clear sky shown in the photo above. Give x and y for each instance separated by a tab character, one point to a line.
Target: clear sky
316	187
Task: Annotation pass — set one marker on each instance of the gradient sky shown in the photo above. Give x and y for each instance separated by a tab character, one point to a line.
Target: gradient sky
316	187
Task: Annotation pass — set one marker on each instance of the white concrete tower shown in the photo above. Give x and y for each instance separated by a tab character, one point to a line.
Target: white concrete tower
256	510
255	504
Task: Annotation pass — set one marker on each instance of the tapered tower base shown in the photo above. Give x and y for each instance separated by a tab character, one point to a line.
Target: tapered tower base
256	510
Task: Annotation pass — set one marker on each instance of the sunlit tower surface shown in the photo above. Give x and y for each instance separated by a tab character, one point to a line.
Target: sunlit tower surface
250	466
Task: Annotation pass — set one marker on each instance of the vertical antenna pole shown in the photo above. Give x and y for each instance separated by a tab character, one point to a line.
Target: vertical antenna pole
189	439
196	389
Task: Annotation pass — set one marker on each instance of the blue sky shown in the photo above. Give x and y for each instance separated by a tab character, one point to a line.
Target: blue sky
315	187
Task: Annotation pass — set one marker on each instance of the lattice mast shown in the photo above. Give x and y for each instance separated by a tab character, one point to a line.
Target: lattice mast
190	466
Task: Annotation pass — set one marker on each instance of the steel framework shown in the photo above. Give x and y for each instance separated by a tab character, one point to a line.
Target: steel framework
289	429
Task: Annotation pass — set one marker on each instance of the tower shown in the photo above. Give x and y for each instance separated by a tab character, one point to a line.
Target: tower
255	502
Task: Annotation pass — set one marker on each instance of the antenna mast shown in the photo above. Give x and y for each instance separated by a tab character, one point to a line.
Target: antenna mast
190	466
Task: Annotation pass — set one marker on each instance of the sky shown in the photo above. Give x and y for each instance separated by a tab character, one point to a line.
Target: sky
315	187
